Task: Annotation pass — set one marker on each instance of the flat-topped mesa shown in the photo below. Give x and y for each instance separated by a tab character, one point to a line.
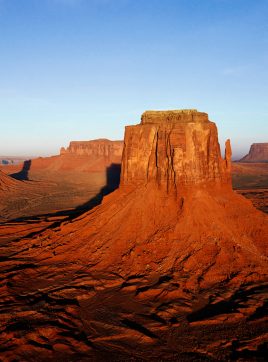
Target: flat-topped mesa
98	148
174	148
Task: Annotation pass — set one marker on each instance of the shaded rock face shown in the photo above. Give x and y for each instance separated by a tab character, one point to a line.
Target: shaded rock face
174	148
258	153
99	147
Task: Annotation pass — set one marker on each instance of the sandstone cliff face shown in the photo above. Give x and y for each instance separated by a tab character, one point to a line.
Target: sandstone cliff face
258	153
99	147
174	148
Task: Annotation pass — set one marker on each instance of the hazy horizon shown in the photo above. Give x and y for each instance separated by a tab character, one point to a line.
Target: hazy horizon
235	157
81	70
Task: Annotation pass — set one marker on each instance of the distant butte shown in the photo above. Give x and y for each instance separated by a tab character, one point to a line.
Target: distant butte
86	156
100	147
258	153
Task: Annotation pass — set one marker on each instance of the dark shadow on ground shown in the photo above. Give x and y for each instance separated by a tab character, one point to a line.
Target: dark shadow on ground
23	175
112	183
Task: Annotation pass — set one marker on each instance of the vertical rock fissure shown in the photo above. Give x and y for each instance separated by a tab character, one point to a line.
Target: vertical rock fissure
172	148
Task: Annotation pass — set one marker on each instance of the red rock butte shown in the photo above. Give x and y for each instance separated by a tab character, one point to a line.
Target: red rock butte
258	153
174	148
175	194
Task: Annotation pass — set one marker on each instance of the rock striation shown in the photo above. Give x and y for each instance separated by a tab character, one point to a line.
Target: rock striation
174	148
258	153
18	195
7	183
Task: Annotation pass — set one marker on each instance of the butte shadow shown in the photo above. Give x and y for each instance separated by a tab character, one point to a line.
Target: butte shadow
23	175
112	183
54	219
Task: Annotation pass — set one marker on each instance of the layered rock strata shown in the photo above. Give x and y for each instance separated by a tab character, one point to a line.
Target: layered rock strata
174	148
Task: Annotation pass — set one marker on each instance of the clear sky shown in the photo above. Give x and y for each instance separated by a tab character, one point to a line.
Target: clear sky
83	69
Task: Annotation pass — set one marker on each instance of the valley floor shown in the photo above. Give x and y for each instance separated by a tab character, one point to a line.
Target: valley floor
68	312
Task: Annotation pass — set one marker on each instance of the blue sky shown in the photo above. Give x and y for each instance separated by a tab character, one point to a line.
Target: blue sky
83	69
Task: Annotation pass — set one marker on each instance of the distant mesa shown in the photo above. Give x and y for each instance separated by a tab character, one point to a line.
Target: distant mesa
93	155
258	153
85	156
99	147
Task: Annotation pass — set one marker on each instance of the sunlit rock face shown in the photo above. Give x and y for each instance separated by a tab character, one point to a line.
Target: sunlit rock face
174	148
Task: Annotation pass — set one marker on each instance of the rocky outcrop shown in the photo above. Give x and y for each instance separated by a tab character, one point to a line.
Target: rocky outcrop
98	148
175	194
258	153
174	148
149	273
173	178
